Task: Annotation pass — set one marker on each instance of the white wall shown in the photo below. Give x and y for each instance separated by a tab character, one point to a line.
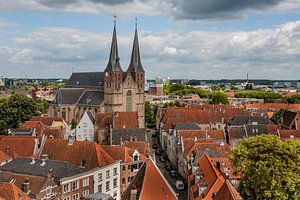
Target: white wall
85	129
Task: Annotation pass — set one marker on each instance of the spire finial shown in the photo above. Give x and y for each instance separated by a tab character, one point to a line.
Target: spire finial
136	23
115	16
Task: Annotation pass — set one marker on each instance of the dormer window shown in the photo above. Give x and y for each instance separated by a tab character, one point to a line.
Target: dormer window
135	156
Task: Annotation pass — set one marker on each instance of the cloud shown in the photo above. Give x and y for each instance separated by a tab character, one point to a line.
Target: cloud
176	9
54	52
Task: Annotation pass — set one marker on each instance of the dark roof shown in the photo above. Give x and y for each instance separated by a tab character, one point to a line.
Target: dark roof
114	60
90	115
240	120
86	79
253	130
94	98
236	133
288	118
127	135
187	126
68	95
60	169
135	62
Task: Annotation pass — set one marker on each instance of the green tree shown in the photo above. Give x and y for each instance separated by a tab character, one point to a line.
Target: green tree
269	168
14	110
218	98
149	116
73	124
42	104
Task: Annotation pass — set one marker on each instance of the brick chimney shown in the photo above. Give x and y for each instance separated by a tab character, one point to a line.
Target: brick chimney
25	186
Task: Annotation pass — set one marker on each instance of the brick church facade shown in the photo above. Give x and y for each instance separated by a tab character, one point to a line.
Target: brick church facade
113	90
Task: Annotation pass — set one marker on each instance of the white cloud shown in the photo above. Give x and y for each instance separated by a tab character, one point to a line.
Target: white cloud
265	53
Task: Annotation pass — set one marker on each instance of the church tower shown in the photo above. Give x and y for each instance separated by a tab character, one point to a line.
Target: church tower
136	78
113	78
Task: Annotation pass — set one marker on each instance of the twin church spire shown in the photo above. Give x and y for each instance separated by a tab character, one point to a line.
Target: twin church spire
114	59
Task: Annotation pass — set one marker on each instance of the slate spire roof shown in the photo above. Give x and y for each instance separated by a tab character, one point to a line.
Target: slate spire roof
135	62
113	62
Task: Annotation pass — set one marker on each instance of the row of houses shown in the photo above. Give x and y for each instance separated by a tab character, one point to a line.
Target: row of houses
68	169
197	140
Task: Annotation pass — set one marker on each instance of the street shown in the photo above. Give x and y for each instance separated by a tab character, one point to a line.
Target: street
171	181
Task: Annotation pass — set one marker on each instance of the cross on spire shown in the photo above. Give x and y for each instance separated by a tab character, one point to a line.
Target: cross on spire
115	16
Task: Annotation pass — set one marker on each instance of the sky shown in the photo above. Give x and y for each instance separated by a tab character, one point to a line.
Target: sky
191	39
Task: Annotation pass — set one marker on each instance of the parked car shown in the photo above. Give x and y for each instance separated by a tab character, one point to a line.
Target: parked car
154	146
168	167
179	185
173	174
162	159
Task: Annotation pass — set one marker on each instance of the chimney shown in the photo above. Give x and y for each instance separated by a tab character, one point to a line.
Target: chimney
43	163
70	140
50	174
45	156
32	161
25	186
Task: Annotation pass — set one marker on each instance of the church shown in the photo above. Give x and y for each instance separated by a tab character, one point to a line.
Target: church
113	90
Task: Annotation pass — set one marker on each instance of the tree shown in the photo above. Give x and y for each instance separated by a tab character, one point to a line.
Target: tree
269	168
218	98
15	110
149	116
73	124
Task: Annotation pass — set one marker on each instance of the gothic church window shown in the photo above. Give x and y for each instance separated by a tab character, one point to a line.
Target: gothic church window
129	101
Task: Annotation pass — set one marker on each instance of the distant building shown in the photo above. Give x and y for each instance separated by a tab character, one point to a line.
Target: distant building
85	130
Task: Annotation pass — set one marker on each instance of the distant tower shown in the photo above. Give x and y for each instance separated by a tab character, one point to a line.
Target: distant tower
137	73
113	78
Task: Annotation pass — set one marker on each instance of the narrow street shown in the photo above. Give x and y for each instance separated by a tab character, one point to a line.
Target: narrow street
154	140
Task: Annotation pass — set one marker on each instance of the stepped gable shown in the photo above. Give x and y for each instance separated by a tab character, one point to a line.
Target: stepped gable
85	79
10	191
76	152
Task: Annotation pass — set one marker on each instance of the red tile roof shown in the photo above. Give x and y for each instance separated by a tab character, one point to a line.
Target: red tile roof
227	192
154	186
39	127
181	115
16	146
272	128
216	134
78	151
289	134
140	146
4	157
48	121
273	106
121	120
121	153
214	149
10	191
212	177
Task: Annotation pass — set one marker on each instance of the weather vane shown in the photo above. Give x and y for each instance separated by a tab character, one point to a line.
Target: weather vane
115	16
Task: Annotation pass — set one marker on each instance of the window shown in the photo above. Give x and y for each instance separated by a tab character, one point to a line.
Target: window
115	194
129	101
124	168
85	182
75	185
100	177
107	186
115	171
115	183
86	192
100	188
75	196
123	181
48	190
66	188
107	174
67	198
